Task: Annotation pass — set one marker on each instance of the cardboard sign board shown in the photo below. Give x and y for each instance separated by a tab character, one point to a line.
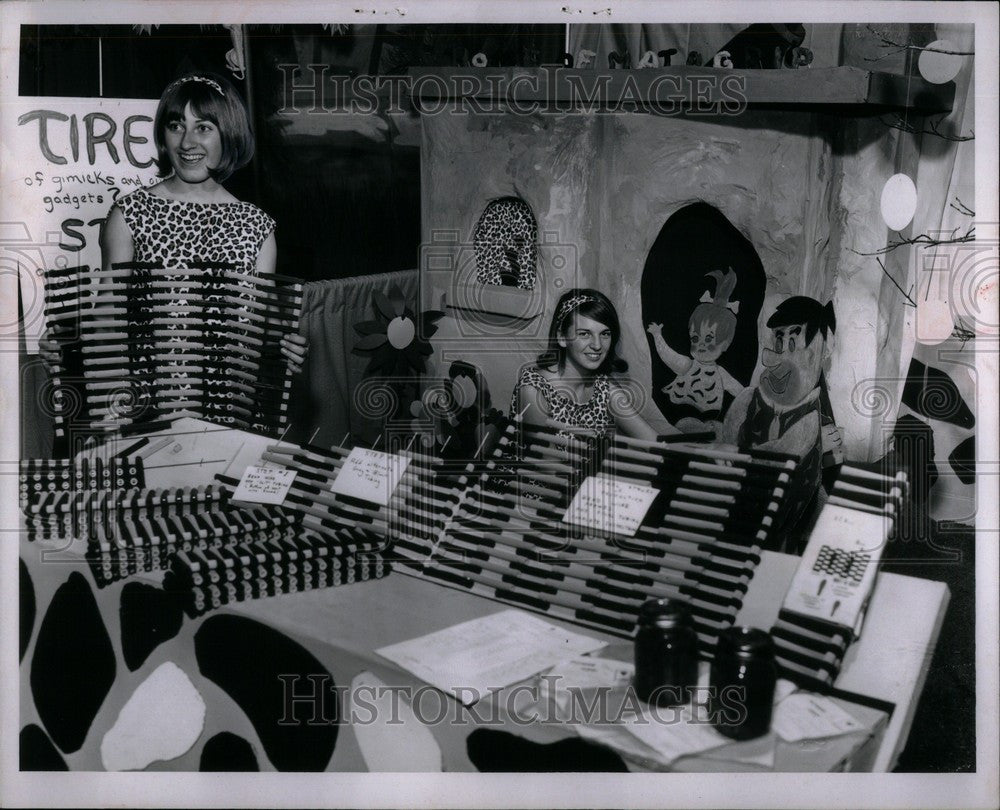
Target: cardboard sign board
63	163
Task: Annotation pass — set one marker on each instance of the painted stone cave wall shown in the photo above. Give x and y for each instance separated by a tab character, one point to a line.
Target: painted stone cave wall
802	187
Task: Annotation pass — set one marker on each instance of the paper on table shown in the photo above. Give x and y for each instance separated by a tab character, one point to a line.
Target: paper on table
370	475
760	752
617	739
588	672
806	716
674	733
782	689
471	659
264	485
609	504
580	675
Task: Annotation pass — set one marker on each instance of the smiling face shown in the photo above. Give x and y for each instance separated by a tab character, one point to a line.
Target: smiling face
791	368
707	345
194	145
587	343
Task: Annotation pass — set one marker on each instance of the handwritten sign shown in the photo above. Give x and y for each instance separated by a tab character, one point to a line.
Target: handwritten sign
63	163
264	485
609	504
370	475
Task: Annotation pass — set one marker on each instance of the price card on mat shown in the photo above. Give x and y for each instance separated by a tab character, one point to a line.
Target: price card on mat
264	485
609	504
370	475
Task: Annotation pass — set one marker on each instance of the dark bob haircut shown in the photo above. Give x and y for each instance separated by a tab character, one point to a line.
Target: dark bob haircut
802	309
591	304
214	99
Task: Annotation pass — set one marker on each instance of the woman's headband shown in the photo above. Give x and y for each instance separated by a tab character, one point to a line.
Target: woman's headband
570	305
204	79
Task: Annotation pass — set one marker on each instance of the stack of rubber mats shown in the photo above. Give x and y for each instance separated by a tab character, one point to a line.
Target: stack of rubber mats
52	491
699	541
127	528
822	613
415	513
141	530
208	578
216	550
159	343
339	539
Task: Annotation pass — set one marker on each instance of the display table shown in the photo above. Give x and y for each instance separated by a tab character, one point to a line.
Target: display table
271	653
343	626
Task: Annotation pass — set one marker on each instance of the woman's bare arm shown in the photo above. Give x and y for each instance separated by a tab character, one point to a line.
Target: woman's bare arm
267	257
116	240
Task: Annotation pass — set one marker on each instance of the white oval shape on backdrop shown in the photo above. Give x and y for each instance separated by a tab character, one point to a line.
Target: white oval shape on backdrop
160	721
899	201
936	67
390	734
934	322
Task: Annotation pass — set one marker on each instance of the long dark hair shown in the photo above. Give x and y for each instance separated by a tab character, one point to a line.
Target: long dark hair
591	304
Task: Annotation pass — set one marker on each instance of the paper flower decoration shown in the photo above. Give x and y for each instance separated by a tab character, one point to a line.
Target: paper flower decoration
397	340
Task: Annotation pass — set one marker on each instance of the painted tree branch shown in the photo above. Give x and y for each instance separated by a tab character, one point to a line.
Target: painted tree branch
909	300
902	124
925	240
962	208
899	47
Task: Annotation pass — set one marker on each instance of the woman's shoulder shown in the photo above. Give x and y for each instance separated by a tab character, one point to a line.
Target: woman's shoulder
260	216
249	215
134	199
535	375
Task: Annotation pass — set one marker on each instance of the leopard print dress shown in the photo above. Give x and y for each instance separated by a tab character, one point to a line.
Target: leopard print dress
593	415
179	235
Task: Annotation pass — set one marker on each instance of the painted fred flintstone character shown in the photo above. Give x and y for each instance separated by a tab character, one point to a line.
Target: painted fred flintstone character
784	411
703	390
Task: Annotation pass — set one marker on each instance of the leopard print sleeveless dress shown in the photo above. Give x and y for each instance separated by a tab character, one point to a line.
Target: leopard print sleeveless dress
594	414
177	233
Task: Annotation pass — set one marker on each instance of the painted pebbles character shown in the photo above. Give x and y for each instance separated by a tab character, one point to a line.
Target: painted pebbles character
703	390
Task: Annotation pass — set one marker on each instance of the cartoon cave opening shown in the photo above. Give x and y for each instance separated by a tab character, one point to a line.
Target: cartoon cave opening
702	291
